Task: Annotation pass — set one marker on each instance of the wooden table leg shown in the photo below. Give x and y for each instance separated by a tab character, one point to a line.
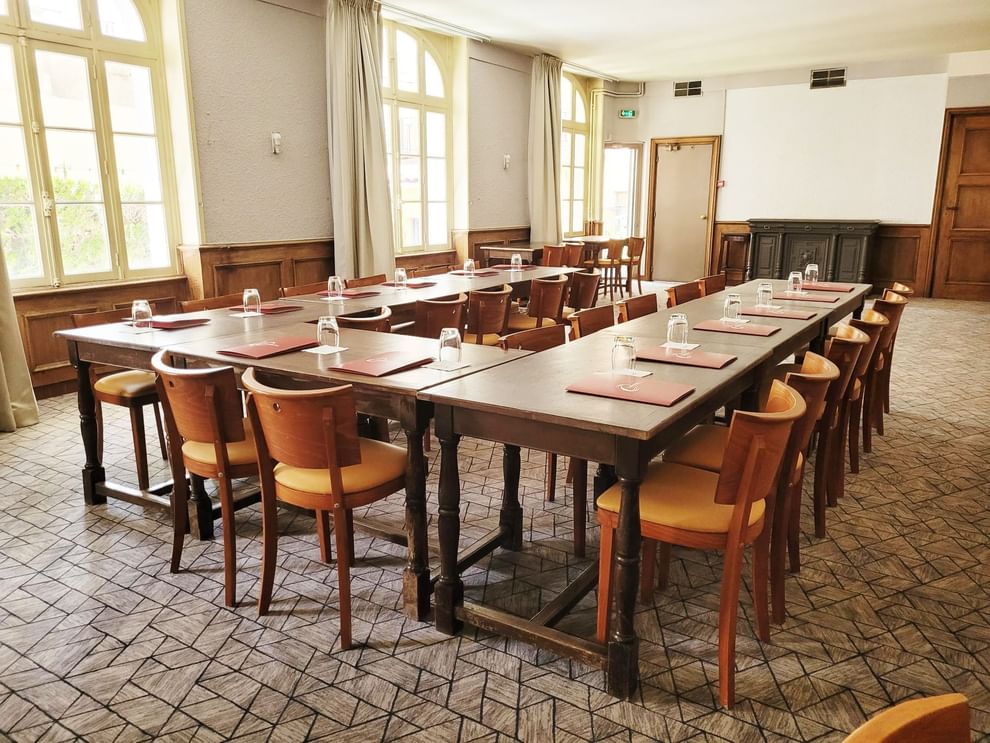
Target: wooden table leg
580	469
416	577
510	517
93	473
449	592
622	675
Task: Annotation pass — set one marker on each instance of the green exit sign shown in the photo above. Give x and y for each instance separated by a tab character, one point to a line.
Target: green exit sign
627	113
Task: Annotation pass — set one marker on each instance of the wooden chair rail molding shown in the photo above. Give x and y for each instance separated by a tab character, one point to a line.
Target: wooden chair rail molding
467	242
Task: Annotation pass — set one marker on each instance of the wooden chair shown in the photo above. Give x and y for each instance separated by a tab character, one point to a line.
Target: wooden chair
582	291
419	273
433	315
378	278
546	304
681	293
874	325
212	303
586	322
132	389
700	509
609	262
295	291
905	291
574	254
553	255
594	227
488	315
633	261
378	321
941	719
711	284
310	456
535	339
898	288
210	439
633	307
892	305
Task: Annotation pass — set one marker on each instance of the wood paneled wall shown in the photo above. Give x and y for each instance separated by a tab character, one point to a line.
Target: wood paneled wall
467	242
426	260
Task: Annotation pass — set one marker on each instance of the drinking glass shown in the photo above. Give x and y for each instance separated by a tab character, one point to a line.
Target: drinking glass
400	278
623	353
141	315
252	302
677	332
811	273
335	288
450	345
327	331
469	266
732	308
764	294
516	262
794	282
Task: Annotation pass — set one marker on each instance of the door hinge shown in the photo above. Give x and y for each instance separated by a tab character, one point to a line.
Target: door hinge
35	127
46	204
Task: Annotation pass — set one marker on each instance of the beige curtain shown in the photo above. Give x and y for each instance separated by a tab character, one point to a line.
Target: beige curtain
17	404
359	195
544	151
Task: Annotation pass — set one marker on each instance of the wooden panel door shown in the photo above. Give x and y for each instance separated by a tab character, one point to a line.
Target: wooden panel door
962	249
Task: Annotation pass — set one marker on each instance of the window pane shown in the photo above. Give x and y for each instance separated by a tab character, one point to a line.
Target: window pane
146	236
406	62
120	19
408	131
129	90
82	231
15	179
9	110
566	98
409	179
579	149
64	13
412	228
436	180
578	181
386	62
3	7
565	215
75	168
578	108
64	83
437	221
138	174
565	148
565	183
19	238
436	134
434	80
577	217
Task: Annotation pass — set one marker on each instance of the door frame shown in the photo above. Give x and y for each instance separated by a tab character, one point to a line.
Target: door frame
942	174
715	140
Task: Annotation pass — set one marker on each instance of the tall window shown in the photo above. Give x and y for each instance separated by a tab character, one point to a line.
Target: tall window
84	195
417	138
573	155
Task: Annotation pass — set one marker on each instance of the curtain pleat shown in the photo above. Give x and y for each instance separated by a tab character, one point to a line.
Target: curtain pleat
17	404
544	151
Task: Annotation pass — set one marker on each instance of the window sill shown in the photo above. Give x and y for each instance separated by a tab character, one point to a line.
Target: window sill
76	288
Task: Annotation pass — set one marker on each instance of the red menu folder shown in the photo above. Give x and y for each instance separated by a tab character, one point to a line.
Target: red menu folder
828	286
460	272
786	314
634	389
177	322
702	359
383	364
749	328
265	349
508	267
413	284
277	308
805	297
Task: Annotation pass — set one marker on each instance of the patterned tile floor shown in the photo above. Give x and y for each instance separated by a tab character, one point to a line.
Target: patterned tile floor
99	642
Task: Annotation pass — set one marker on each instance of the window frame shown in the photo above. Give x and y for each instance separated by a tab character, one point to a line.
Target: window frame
26	37
574	127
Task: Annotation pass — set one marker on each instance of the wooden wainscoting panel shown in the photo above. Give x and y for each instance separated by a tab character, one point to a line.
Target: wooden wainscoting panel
308	270
265	276
44	351
901	252
467	242
426	260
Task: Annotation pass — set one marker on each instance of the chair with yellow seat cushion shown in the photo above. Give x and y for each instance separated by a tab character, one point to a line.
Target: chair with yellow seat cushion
546	304
311	457
210	439
704	510
939	719
488	315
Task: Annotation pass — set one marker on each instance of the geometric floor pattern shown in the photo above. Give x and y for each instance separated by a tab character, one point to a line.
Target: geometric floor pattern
98	641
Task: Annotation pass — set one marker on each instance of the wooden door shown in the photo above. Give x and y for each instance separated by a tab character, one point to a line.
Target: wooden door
962	247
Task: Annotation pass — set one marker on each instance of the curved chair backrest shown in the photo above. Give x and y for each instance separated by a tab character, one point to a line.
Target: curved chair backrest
433	315
874	324
315	429
583	292
681	293
644	304
844	349
592	320
941	719
378	321
204	405
636	247
892	307
488	311
430	271
574	254
593	227
898	288
211	303
711	284
546	298
375	280
812	383
613	249
88	319
553	255
535	339
295	291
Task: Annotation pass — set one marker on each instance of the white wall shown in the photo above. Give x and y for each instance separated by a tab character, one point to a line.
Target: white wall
255	68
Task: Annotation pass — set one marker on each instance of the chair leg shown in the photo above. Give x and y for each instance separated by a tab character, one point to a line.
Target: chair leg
886	382
180	517
426	438
605	560
344	558
728	613
229	542
158	427
580	503
878	393
761	580
853	414
823	460
663	566
323	535
647	570
140	446
269	552
778	549
794	530
551	478
835	481
867	403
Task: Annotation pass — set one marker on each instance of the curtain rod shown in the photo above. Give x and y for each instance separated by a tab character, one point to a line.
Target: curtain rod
396	12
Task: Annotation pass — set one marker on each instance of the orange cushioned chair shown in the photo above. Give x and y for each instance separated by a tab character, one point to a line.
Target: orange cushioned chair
941	719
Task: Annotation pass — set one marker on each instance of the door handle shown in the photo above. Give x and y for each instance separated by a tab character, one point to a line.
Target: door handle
952	208
703	216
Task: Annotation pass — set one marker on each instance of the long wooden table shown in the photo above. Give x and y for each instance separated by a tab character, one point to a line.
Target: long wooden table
493	405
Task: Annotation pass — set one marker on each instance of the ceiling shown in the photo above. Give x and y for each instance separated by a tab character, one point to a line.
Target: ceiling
664	39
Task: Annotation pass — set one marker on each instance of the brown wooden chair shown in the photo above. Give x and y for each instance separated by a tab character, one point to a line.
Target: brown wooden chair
898	288
433	315
545	307
212	303
632	261
378	321
609	262
488	315
310	456
210	439
553	255
586	322
632	307
420	273
711	284
582	291
891	305
905	291
681	293
703	510
535	339
594	227
874	324
132	389
574	254
378	278
295	291
941	719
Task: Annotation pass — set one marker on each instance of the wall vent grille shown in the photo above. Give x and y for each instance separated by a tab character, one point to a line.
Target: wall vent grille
687	88
834	77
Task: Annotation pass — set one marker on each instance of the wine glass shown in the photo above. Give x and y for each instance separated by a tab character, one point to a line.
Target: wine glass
252	302
450	346
731	308
327	331
400	278
469	266
811	273
764	294
515	262
141	315
335	288
623	354
677	333
794	283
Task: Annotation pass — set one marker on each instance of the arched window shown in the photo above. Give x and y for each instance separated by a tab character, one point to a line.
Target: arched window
85	191
573	154
417	136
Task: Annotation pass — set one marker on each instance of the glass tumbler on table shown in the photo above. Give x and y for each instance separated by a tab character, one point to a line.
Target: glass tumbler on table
400	278
794	284
515	262
677	333
335	288
327	331
811	273
469	266
764	295
623	354
252	302
450	346
732	308
141	315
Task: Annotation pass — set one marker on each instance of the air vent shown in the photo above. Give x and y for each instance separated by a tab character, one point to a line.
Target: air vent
831	78
684	89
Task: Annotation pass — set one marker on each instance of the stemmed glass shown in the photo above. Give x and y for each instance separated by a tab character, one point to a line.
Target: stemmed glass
400	278
252	302
677	333
335	288
327	331
731	309
450	346
141	315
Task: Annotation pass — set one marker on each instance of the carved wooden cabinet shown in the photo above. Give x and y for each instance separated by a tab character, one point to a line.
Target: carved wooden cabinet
779	246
